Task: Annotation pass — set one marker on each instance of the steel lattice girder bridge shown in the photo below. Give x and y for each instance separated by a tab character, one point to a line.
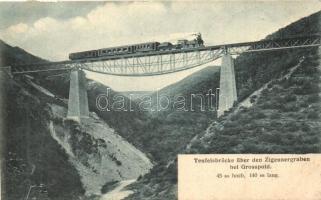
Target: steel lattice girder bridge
163	62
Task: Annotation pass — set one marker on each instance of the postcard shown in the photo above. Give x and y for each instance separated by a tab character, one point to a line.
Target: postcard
160	100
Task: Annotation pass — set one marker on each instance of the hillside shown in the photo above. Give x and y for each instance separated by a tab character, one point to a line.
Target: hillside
199	83
15	55
160	134
30	155
65	160
283	119
127	124
166	133
250	76
81	161
136	95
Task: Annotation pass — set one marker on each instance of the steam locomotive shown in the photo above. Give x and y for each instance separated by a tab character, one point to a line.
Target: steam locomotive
140	48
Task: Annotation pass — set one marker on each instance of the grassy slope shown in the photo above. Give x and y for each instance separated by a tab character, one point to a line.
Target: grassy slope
254	69
285	119
166	133
198	83
173	129
128	124
27	141
15	55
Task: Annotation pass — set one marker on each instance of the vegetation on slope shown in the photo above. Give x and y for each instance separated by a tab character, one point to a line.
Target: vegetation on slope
169	131
200	84
253	70
160	134
32	157
285	119
14	55
128	124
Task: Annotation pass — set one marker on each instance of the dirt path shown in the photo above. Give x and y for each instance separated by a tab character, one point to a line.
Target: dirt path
118	193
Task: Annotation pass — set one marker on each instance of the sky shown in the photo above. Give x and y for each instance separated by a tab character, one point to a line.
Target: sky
53	30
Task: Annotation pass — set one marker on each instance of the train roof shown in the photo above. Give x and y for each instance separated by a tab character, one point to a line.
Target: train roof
116	47
129	45
165	44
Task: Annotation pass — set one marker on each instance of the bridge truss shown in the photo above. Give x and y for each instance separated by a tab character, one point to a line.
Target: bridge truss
163	62
153	64
159	62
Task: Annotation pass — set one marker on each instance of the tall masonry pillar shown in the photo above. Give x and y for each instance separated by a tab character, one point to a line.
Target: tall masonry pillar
228	94
78	100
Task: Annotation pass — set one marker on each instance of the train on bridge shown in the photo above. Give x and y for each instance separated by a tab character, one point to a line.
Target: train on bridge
196	42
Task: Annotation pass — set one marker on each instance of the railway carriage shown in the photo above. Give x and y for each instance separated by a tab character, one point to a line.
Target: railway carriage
145	47
165	46
138	48
83	54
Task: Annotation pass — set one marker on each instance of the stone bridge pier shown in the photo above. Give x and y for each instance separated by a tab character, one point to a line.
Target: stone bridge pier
78	100
228	94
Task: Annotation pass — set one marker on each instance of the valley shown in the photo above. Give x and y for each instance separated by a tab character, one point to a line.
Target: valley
132	154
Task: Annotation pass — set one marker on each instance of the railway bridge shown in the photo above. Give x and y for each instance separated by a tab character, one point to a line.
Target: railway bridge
158	63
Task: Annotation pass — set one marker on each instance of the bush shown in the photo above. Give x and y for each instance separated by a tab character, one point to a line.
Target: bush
259	115
307	88
270	85
272	105
304	104
253	98
289	98
271	137
275	115
244	118
311	70
265	92
305	127
276	124
109	186
243	109
313	98
291	126
276	89
290	108
286	84
313	115
234	117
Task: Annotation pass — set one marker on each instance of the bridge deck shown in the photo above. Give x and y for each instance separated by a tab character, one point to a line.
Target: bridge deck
234	48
